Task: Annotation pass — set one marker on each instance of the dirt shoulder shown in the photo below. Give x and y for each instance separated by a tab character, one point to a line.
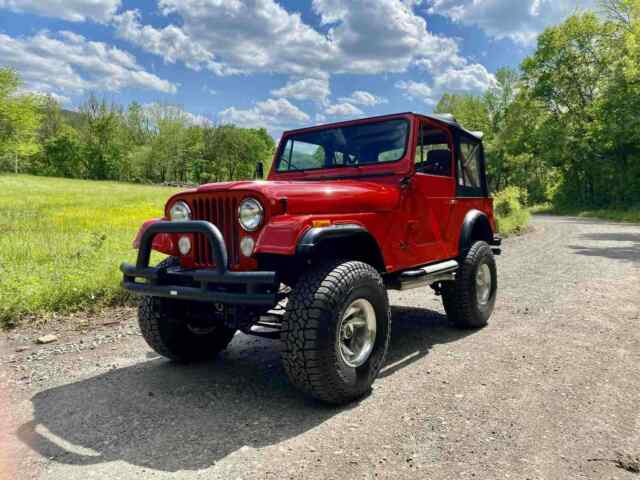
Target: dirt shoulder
548	391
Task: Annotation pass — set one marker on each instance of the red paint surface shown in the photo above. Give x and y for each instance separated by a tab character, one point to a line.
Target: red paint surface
414	224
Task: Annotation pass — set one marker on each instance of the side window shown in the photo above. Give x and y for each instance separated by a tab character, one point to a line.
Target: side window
301	156
433	152
469	175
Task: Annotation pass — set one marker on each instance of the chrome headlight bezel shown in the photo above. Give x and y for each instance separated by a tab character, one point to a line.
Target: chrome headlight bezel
250	221
180	212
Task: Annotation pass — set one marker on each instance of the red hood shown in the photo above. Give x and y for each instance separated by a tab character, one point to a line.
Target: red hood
312	197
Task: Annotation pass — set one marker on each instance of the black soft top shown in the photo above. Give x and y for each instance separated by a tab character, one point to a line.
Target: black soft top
446	119
451	121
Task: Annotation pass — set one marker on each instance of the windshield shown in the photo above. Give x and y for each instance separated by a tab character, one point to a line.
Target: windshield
352	146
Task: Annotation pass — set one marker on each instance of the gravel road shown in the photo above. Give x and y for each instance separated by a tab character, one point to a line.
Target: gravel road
550	390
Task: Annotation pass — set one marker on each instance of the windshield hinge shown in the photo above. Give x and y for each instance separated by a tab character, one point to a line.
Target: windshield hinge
406	182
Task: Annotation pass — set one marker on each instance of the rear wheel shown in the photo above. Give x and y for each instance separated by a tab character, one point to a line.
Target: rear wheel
470	299
181	330
336	331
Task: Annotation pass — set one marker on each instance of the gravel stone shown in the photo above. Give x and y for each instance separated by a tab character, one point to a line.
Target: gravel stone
548	391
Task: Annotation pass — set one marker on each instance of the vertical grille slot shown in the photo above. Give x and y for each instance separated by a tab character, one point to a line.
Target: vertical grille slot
219	209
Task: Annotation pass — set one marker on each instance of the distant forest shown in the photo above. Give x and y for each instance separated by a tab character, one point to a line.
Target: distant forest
563	128
148	144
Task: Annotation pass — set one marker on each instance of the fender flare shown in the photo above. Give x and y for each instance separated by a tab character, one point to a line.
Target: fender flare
475	221
313	238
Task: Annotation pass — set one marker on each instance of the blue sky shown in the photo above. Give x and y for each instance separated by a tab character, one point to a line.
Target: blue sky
273	63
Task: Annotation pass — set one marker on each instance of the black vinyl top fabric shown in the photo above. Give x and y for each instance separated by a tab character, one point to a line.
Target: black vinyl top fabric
446	119
450	121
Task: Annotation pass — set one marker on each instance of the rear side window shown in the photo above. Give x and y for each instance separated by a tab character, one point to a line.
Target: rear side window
433	152
470	167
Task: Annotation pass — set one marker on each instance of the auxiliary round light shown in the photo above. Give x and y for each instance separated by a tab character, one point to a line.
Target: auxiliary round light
246	246
180	212
184	245
250	214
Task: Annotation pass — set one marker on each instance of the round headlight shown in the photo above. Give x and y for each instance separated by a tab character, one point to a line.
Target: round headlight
180	212
250	214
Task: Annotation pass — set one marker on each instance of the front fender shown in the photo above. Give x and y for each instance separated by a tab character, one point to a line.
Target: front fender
313	237
163	242
280	236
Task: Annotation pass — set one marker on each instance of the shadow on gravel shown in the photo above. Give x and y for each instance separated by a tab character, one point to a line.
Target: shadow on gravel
414	332
170	417
630	251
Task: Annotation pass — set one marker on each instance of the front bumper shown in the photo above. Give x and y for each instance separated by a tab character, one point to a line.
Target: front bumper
217	285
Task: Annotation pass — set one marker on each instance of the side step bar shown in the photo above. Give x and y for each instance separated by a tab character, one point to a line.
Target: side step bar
438	272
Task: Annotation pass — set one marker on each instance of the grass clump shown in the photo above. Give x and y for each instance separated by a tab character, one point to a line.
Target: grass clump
62	241
512	216
627	215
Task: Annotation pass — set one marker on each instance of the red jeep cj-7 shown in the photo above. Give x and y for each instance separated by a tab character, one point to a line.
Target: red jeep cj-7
349	210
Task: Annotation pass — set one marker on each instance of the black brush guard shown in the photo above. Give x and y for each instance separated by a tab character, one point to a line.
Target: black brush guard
217	284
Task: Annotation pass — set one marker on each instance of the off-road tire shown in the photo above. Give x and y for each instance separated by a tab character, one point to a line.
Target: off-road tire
314	311
459	297
164	323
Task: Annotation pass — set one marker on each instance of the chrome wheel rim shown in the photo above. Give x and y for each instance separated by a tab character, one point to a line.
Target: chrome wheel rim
357	333
483	284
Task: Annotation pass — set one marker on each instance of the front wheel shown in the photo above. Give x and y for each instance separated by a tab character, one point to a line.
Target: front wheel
336	331
470	299
179	330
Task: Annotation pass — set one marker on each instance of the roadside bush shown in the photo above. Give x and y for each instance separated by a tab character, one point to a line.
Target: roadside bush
512	215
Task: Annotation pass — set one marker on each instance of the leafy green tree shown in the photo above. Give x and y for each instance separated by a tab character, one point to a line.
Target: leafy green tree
63	153
104	144
19	122
231	153
52	121
470	110
566	74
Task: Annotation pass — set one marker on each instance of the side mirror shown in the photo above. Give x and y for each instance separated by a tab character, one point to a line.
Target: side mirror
259	170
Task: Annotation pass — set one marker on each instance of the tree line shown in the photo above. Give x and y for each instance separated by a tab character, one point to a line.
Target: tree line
101	141
565	128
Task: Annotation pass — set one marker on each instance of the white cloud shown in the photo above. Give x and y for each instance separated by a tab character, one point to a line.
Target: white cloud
376	36
170	42
343	110
68	64
273	114
417	90
316	89
252	36
521	21
72	10
258	36
366	99
469	78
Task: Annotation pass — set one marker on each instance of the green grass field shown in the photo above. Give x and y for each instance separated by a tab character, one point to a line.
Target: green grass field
62	240
630	215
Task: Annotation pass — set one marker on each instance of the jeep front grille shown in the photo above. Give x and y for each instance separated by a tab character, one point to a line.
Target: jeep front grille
221	209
